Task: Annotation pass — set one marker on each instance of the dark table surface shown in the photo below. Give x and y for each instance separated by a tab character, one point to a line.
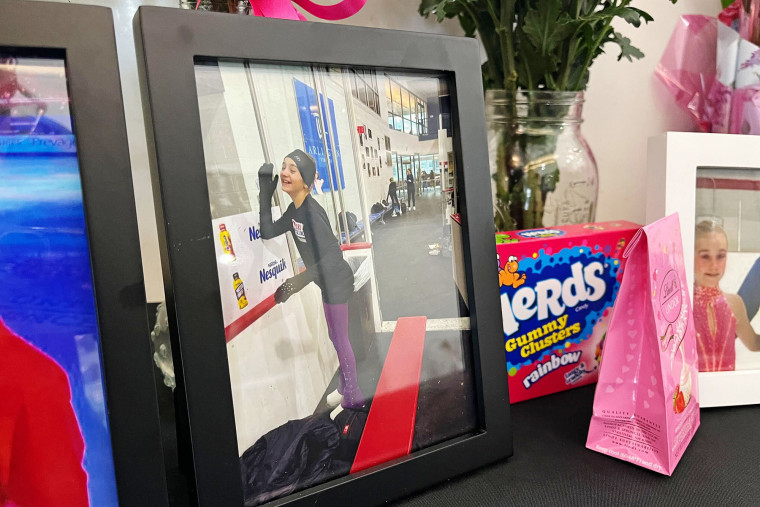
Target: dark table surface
551	465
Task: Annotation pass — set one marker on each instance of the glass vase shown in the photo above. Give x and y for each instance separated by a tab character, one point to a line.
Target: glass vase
543	171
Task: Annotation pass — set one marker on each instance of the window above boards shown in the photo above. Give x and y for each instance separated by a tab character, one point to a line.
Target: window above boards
364	87
407	112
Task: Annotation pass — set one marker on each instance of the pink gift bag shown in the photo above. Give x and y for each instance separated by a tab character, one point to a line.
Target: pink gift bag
646	407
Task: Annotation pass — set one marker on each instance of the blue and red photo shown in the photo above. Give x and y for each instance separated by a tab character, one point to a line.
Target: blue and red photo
55	444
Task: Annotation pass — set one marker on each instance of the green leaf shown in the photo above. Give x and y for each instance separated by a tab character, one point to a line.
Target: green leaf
627	50
468	25
546	26
629	14
579	77
532	64
441	8
644	15
587	35
634	16
551	43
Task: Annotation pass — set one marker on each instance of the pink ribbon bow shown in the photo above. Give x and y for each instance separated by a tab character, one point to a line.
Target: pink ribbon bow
284	9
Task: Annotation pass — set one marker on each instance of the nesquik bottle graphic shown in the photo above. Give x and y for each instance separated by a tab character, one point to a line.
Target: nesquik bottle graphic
226	239
237	284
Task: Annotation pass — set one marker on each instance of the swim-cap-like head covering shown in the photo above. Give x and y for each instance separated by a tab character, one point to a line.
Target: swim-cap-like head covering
306	165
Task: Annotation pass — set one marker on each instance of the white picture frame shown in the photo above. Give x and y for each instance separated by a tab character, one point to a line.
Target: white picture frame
672	162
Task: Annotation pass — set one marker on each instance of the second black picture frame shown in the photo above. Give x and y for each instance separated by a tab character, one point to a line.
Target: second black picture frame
225	95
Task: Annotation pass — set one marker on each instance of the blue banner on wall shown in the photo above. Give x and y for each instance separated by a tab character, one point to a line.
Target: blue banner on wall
312	129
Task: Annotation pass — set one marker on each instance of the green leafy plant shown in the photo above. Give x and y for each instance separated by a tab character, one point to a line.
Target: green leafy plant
541	44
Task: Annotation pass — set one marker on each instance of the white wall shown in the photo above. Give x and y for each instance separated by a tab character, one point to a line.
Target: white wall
376	186
124	11
625	105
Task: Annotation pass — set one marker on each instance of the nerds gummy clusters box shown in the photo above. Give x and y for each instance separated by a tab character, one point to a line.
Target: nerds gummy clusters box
558	286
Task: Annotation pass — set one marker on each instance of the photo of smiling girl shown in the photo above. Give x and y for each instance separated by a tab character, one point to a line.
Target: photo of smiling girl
321	253
719	318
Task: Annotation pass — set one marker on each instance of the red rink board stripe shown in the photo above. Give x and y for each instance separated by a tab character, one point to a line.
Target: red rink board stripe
355	246
727	184
389	430
249	318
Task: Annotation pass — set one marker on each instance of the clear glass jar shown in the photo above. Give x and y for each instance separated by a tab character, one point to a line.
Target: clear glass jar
543	171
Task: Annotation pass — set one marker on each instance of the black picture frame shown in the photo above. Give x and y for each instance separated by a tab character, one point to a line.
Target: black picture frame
83	36
168	42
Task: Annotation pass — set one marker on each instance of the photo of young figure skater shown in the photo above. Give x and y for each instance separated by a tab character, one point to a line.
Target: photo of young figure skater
319	248
719	318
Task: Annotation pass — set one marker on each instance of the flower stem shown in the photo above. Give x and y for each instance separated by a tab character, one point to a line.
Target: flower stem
506	36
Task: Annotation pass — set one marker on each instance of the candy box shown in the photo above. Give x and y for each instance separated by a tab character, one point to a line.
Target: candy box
646	404
557	287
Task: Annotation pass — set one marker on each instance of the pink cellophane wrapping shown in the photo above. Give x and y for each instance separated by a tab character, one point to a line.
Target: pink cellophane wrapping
713	73
687	68
745	109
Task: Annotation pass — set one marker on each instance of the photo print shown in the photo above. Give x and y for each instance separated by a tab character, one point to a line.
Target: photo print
727	268
55	445
339	304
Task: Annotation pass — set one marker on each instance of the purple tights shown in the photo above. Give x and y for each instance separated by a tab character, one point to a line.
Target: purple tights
337	328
